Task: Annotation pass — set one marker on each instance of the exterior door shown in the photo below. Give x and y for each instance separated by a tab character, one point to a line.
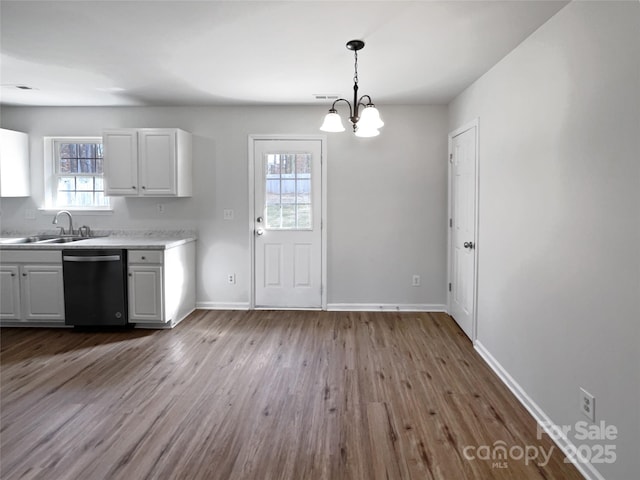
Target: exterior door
462	275
287	223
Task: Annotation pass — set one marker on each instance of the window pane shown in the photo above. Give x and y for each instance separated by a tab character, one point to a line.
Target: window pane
288	216
68	150
303	190
101	200
99	183
99	165
64	165
84	183
287	163
87	150
273	165
68	165
65	199
66	184
303	163
274	216
84	199
99	150
288	191
272	189
86	165
304	216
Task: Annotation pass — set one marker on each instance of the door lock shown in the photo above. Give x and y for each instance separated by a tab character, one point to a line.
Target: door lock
259	219
469	245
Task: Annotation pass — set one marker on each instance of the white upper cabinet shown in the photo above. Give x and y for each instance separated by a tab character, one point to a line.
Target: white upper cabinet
14	164
121	162
148	162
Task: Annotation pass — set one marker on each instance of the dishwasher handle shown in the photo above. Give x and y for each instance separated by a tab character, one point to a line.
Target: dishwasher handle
93	258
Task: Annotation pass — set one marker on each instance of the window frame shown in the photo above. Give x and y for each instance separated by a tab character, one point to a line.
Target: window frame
52	174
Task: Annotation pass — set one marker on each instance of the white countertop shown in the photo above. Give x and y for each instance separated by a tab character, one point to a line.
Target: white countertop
144	242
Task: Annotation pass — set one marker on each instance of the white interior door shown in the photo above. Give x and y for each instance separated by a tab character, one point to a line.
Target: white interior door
463	229
287	223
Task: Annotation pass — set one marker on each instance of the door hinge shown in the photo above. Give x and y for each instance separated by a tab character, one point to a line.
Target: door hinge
451	157
450	222
449	286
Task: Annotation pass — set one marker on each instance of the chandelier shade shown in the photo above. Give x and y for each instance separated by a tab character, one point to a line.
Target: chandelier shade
363	114
332	122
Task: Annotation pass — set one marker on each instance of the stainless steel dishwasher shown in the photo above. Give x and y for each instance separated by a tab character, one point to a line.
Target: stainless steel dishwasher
95	287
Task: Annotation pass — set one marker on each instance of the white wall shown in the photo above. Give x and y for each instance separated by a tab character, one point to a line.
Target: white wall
559	263
386	195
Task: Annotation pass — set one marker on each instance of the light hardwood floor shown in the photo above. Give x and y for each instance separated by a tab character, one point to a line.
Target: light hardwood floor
261	395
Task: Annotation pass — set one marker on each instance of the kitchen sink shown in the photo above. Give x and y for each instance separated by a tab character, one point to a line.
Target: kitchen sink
41	239
62	239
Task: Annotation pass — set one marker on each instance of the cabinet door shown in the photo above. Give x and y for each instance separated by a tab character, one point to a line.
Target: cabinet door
146	302
14	164
10	292
121	162
158	162
43	293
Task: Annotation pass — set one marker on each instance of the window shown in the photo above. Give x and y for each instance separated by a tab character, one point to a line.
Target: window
75	174
288	191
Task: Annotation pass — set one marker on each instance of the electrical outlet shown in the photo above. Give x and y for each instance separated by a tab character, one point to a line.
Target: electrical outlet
587	405
227	214
415	281
231	279
161	208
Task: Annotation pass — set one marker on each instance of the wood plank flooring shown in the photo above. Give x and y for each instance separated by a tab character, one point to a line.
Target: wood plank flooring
261	395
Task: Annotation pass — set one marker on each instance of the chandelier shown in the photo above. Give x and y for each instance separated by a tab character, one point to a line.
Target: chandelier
367	121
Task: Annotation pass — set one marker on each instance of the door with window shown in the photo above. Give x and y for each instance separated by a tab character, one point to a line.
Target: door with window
287	223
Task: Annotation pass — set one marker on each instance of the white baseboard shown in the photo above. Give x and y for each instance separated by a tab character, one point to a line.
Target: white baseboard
338	307
222	305
385	307
553	430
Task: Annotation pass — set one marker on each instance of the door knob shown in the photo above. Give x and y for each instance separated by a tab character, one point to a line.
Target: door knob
468	245
259	231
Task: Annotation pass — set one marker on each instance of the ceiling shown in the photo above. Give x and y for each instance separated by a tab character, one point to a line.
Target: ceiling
253	52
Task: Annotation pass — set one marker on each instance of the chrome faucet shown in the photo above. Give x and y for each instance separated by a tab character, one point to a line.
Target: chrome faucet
55	221
84	231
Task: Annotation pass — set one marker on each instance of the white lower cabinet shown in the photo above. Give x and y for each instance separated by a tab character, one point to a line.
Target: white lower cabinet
32	287
43	290
145	293
161	285
10	292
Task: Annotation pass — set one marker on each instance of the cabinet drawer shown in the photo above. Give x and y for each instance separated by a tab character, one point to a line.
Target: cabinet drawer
31	256
144	256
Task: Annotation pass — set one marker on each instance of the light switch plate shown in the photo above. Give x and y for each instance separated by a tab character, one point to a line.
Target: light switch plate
227	214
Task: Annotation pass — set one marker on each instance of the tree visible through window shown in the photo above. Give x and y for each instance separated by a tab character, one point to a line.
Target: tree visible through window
78	172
